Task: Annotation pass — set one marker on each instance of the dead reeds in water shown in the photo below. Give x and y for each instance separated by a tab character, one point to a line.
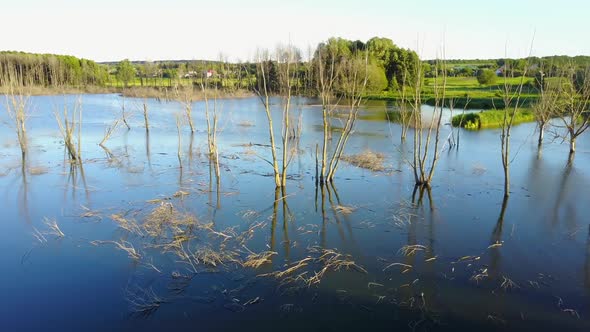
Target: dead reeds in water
54	229
143	302
325	260
367	159
122	245
257	260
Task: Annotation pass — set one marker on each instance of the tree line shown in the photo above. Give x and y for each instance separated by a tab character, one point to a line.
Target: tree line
51	70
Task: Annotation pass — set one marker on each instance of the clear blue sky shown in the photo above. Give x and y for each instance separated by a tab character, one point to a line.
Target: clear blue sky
192	29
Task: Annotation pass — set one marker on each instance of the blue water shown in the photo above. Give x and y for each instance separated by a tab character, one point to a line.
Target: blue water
75	283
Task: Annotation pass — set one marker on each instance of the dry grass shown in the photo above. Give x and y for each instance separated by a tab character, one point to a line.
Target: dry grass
325	260
409	250
367	159
166	217
122	245
246	123
53	227
508	284
344	209
478	169
257	260
171	94
51	91
129	225
39	170
143	302
214	258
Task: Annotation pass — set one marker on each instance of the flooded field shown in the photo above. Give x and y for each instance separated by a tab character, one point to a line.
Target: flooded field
137	240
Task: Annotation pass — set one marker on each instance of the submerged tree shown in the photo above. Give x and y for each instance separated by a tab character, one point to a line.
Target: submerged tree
574	110
546	106
512	102
276	76
341	73
425	152
211	123
17	102
70	126
185	95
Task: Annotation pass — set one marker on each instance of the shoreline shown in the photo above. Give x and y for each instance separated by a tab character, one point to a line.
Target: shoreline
164	93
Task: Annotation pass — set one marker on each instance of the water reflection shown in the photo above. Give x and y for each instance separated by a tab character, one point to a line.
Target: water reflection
562	191
75	176
495	239
23	201
280	195
147	149
587	262
420	190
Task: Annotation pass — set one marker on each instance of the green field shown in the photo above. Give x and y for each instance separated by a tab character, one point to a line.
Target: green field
467	92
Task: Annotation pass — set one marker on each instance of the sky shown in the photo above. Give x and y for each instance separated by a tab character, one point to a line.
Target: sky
112	30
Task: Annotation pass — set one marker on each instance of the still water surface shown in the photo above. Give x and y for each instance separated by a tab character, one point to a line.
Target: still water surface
475	266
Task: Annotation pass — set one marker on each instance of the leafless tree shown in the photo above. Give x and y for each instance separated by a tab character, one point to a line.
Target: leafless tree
145	115
338	77
186	98
212	121
70	126
512	103
17	102
354	83
425	152
546	106
405	114
573	110
284	60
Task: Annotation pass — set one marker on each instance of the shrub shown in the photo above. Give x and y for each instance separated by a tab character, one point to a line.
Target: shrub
486	77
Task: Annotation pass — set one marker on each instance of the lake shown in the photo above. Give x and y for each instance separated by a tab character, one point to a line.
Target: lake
363	253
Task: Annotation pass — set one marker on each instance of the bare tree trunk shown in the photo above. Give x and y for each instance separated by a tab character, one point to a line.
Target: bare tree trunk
179	152
325	143
541	132
145	115
124	115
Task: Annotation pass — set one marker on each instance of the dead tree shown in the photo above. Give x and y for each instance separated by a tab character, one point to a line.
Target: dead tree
354	83
266	85
545	107
211	124
17	101
512	103
425	160
574	110
70	127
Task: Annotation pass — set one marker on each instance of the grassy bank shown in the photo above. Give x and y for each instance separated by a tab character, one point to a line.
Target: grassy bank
490	119
466	92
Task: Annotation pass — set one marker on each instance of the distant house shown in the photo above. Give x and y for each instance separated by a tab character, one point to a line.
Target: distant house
190	74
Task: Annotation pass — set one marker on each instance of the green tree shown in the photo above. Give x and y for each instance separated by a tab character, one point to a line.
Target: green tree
376	79
125	72
486	77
